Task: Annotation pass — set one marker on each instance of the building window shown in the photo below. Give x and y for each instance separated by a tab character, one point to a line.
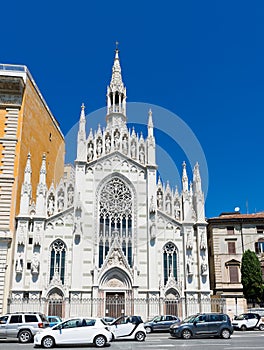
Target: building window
169	261
115	218
57	260
231	247
230	230
259	246
260	229
233	267
233	274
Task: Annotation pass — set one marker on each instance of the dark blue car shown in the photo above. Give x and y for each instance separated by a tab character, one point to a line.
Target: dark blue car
203	325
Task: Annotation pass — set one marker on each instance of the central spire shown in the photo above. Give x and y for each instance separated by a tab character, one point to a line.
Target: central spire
116	96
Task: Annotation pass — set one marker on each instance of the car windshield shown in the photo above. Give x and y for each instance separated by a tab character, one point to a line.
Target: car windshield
241	317
156	319
189	319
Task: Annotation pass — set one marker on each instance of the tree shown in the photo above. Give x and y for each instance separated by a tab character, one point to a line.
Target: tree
251	277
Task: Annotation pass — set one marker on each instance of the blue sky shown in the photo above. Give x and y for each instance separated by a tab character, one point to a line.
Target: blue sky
201	60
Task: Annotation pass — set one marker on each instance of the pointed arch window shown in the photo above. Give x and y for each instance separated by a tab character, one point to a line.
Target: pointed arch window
115	218
169	261
57	260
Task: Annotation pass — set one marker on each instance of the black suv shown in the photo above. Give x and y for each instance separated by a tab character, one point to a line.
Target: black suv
203	325
22	325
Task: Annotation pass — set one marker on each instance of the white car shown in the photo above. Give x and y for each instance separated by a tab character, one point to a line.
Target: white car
247	321
128	327
77	330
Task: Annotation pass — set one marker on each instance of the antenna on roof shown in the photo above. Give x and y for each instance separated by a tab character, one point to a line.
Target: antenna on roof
237	209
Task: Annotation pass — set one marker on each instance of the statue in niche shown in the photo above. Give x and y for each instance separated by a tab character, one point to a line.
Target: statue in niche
90	152
142	156
152	206
107	145
125	145
60	201
133	150
203	243
190	265
168	205
189	244
99	147
51	205
177	211
204	267
70	196
19	263
35	264
116	140
152	230
159	199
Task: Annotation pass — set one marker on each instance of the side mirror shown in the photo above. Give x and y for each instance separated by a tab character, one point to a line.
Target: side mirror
195	323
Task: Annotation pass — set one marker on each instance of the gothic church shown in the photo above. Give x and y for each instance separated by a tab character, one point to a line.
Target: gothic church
111	227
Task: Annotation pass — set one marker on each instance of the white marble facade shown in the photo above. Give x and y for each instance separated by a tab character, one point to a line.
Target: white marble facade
112	226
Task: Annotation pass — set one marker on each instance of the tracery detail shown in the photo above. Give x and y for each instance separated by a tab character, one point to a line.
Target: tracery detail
115	218
116	199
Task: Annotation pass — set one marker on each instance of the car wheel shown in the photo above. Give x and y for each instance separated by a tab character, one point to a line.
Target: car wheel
186	334
225	334
48	342
24	336
261	327
99	341
243	328
148	329
140	336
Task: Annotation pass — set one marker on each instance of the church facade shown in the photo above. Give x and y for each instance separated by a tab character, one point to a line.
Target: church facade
111	230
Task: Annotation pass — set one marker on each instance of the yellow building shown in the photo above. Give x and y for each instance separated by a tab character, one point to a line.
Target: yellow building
26	126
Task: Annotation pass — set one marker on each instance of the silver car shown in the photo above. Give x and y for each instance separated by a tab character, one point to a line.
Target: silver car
22	325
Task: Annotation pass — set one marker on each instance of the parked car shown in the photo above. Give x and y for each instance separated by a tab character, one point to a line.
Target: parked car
247	321
203	325
108	320
75	330
53	320
161	323
22	325
128	327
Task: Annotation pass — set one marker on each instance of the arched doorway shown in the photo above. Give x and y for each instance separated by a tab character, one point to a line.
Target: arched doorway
116	288
172	299
56	303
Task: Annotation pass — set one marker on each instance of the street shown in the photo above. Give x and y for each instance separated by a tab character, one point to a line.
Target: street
162	341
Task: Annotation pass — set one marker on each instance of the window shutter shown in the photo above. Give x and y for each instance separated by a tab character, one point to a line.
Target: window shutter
233	273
